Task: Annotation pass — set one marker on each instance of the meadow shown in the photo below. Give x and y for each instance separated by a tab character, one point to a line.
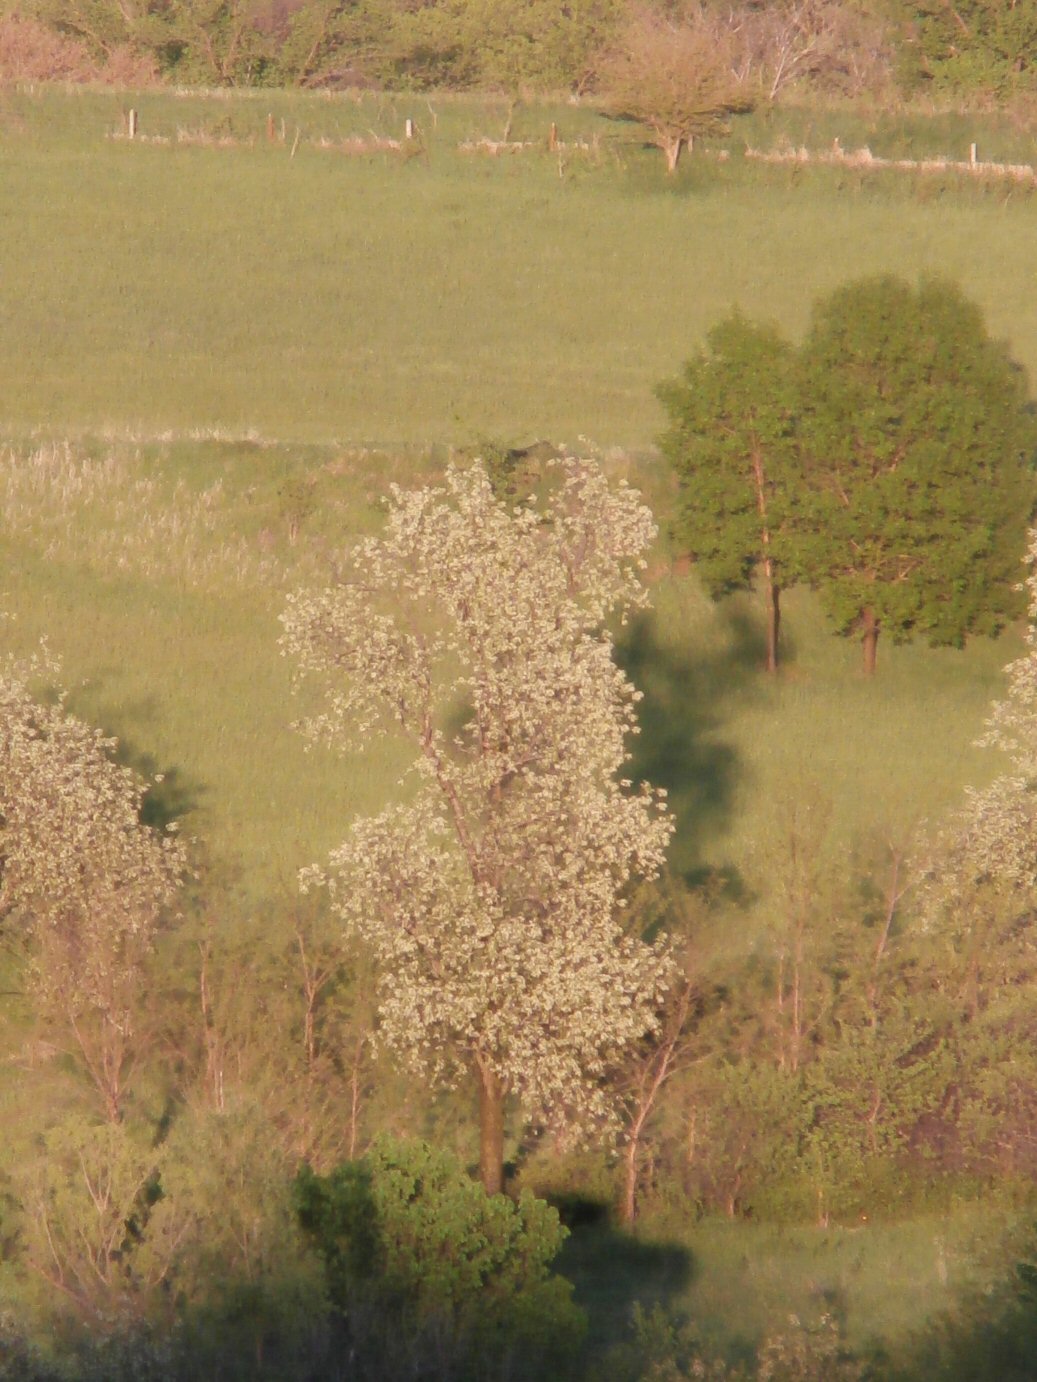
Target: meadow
217	350
441	297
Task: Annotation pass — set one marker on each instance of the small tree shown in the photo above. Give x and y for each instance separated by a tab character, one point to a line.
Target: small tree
918	440
677	81
420	1263
83	880
491	897
732	443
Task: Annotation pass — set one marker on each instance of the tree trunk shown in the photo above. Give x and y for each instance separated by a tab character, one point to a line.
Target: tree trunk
672	150
773	623
491	1131
869	640
628	1204
773	589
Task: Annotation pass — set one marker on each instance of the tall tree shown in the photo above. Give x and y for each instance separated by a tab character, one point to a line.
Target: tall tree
492	895
918	440
732	443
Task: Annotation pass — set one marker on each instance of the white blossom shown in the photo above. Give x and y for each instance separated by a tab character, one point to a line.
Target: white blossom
993	839
80	876
491	895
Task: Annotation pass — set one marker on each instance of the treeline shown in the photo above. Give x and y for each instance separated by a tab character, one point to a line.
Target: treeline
848	47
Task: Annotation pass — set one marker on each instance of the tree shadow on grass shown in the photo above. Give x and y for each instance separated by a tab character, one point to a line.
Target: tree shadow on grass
172	795
687	697
613	1271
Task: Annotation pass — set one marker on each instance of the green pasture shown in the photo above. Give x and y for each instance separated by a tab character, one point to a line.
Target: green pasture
300	292
299	325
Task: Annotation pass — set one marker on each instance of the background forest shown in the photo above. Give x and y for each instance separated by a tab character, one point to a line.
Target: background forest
843	47
225	1148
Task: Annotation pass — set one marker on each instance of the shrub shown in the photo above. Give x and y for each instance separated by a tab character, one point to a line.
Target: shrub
422	1264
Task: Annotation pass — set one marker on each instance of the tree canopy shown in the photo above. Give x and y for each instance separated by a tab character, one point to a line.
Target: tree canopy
676	80
917	442
83	881
492	894
887	461
732	444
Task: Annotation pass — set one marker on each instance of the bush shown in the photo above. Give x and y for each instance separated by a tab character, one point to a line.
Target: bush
32	52
432	1277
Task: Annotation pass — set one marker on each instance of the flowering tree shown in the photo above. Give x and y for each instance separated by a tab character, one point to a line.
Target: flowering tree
491	896
83	880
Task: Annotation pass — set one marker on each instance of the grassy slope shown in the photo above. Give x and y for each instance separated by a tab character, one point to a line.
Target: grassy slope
156	287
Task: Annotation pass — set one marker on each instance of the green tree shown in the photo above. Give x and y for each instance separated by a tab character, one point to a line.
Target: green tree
971	45
732	443
419	1261
917	442
492	898
502	44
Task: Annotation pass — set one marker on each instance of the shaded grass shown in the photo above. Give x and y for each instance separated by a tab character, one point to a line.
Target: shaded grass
735	747
888	1288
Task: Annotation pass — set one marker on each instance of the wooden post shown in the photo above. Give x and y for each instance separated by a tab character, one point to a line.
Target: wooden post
552	138
972	155
270	128
131	123
284	134
409	129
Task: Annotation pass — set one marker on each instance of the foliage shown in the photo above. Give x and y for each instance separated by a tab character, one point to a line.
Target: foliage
31	51
243	1280
977	901
918	443
491	898
420	1262
85	1198
974	45
84	882
820	46
732	443
674	80
895	471
278	1012
501	44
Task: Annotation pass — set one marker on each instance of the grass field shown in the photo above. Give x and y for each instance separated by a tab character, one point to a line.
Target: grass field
215	357
154	286
160	296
